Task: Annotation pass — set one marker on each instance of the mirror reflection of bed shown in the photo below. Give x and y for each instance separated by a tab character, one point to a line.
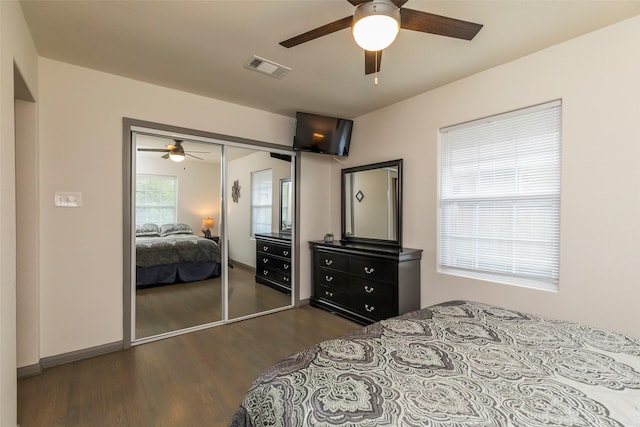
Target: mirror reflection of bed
179	272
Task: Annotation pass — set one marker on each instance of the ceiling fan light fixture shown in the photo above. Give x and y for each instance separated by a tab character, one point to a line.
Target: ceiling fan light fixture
376	24
176	156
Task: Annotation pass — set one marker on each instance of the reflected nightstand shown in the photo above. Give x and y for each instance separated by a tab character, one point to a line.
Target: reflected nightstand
214	238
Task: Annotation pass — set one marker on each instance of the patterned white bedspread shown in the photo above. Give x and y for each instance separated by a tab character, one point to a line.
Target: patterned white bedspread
455	364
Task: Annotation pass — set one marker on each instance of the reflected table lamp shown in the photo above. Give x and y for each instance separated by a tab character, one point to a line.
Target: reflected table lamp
207	224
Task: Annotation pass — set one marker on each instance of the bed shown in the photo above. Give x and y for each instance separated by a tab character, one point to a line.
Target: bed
171	253
459	363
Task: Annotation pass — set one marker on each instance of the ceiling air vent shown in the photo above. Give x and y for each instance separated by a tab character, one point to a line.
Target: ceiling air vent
267	67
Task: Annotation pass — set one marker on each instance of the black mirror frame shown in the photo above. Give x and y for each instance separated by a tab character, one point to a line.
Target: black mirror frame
355	239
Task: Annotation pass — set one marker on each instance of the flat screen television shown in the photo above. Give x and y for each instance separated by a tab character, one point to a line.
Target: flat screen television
322	134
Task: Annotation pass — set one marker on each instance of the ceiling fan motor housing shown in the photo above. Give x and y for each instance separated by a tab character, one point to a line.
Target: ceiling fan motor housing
375	24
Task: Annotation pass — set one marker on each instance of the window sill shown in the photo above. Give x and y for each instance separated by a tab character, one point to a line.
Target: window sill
503	280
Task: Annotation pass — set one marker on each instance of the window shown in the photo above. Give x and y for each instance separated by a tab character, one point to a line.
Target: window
499	208
261	201
156	197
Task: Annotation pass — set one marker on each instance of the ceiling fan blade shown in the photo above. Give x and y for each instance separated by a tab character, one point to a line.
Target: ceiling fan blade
195	157
435	24
398	3
372	61
203	152
166	156
332	27
158	150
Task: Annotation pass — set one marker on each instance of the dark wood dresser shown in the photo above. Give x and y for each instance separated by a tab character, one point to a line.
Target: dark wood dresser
365	283
273	261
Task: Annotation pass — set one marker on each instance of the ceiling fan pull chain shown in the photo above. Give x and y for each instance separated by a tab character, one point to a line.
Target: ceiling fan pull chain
375	76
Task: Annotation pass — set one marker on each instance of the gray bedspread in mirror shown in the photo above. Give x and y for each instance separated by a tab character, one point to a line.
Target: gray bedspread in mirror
459	363
180	257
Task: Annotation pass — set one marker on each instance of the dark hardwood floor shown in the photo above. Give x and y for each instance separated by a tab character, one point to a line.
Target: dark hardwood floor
196	379
172	307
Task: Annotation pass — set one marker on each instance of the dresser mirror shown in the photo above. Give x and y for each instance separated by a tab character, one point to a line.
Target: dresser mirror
286	207
372	203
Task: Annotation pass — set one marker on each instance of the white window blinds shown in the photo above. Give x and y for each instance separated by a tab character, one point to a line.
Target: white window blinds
261	201
156	197
499	211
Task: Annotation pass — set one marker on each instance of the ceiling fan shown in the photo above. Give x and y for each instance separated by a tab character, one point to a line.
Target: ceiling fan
381	20
174	152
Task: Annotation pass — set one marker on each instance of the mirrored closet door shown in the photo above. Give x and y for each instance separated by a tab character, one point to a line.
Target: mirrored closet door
177	222
202	213
253	180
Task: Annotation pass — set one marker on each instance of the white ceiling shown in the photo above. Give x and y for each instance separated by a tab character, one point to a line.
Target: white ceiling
202	46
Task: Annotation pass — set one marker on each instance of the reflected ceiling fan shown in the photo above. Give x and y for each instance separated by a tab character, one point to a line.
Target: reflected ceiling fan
174	152
375	24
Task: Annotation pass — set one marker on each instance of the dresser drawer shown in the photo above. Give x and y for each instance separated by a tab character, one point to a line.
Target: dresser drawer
374	269
271	262
283	279
376	310
331	279
332	260
334	294
272	248
363	289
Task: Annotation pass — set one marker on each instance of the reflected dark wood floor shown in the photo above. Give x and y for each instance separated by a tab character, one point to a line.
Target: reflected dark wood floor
172	307
196	379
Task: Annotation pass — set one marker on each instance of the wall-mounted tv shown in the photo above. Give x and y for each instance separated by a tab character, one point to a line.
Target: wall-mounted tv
322	134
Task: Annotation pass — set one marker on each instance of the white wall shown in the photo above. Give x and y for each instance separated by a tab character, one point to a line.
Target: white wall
198	187
28	237
81	150
597	78
317	208
16	47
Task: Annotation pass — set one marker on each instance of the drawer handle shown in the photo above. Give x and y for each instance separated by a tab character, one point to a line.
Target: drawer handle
285	279
265	272
329	294
368	289
265	260
368	270
328	261
286	266
328	278
369	308
265	248
285	253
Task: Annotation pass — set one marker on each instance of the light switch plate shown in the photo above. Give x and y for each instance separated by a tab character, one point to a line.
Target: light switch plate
68	199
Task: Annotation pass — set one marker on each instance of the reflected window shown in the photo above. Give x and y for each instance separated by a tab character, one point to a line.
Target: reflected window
261	201
156	199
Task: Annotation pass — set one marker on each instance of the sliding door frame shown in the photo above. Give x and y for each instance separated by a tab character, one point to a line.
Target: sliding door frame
130	125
